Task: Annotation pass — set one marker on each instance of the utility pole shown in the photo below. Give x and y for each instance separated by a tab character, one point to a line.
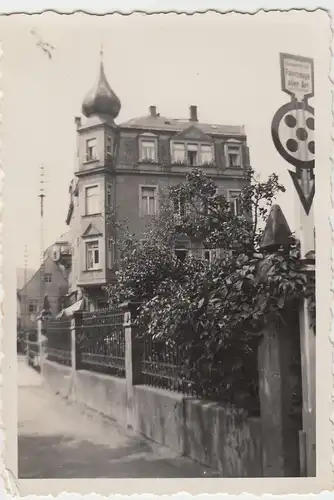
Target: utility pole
25	302
42	269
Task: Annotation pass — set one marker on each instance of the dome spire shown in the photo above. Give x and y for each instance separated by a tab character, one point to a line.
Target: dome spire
101	100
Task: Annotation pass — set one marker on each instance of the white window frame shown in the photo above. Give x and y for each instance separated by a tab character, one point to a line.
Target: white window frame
234	145
154	188
86	188
201	162
109	193
154	142
191	146
173	149
232	196
96	265
89	156
212	252
178	210
110	253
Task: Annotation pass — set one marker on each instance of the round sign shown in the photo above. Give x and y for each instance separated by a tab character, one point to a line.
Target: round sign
292	131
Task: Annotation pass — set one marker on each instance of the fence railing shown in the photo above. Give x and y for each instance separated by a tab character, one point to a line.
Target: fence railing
102	342
161	366
58	347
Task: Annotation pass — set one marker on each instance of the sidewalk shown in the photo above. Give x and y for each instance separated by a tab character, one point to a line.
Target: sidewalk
56	440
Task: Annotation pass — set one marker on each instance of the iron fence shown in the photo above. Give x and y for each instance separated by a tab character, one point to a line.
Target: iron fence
58	347
102	342
162	366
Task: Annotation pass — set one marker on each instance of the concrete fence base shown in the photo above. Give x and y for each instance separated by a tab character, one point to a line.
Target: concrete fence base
222	438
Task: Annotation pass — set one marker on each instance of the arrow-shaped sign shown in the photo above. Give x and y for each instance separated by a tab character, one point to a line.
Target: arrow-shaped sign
304	182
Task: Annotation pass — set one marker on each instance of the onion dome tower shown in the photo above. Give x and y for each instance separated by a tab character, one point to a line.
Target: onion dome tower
101	99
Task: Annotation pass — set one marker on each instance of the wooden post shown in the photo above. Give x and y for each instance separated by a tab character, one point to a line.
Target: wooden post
133	357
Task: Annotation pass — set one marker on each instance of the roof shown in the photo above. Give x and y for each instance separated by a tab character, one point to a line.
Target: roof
174	125
64	238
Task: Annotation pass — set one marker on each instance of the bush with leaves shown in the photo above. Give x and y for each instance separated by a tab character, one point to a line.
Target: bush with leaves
212	312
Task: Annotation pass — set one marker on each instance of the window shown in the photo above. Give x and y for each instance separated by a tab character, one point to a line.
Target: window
234	201
206	154
191	153
180	207
109	196
148	150
233	155
92	255
148	200
210	254
109	145
178	152
181	253
92	200
91	151
48	278
111	255
33	306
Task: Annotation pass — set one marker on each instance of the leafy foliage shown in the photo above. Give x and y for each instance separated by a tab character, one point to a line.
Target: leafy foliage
213	310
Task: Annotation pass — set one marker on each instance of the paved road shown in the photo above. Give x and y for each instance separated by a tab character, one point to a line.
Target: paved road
56	440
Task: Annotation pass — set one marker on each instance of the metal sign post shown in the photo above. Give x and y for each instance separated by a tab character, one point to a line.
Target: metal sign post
293	136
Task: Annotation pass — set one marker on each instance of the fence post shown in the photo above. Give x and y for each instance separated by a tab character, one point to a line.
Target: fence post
133	357
279	382
76	323
40	340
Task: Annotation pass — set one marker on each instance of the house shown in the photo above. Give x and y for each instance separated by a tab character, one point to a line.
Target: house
124	168
50	279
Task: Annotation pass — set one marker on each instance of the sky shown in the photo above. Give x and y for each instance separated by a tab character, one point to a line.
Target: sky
227	65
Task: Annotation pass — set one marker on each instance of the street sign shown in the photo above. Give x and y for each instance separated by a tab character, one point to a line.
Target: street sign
293	125
297	75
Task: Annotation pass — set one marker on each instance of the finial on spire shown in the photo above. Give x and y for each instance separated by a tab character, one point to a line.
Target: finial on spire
101	52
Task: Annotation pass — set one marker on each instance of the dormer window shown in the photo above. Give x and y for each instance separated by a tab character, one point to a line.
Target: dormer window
206	154
178	152
192	153
91	149
148	150
233	155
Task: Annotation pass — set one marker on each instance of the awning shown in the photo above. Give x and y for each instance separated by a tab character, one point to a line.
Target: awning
69	311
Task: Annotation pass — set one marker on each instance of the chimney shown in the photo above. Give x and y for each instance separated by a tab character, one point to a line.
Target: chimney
193	114
153	111
77	121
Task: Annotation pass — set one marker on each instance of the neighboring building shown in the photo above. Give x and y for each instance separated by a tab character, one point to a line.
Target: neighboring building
125	168
55	285
23	276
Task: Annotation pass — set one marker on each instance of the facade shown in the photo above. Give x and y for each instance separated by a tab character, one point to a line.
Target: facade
125	168
51	280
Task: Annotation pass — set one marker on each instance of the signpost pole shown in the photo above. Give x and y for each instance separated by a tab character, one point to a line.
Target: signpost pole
305	233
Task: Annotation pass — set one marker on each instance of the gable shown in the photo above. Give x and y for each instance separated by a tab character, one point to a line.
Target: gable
91	231
193	133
